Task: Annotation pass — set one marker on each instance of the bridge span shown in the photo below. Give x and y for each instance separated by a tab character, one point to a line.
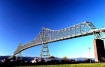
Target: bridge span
47	35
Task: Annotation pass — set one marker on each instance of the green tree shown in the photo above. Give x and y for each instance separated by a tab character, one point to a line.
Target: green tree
65	58
102	59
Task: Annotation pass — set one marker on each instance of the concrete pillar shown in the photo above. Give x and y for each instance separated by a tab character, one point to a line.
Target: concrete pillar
98	49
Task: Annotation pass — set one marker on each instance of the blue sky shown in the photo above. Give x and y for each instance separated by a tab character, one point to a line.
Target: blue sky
22	20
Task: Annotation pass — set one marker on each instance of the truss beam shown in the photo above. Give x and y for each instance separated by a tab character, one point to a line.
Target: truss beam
46	35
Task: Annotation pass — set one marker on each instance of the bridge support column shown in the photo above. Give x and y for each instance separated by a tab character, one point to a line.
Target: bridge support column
19	56
45	51
99	51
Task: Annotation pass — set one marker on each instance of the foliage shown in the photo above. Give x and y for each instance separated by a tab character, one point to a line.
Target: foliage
88	61
65	59
102	59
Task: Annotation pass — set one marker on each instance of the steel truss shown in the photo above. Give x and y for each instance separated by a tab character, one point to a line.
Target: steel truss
18	56
47	36
44	51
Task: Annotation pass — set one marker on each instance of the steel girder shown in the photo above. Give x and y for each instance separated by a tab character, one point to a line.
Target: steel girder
47	35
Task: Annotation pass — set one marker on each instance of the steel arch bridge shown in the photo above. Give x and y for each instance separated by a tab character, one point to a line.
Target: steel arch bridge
47	35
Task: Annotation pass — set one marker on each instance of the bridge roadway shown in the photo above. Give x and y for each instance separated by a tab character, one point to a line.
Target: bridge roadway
49	36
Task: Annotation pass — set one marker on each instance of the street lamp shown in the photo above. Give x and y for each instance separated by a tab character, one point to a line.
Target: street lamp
89	54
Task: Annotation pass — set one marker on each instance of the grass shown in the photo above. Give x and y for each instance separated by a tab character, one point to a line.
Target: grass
70	65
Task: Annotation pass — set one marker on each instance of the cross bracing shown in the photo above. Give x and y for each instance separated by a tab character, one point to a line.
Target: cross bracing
47	35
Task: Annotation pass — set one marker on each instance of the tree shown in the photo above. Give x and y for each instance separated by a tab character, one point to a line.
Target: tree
52	57
102	59
65	58
88	60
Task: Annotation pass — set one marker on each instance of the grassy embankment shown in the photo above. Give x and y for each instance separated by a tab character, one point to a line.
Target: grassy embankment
70	65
